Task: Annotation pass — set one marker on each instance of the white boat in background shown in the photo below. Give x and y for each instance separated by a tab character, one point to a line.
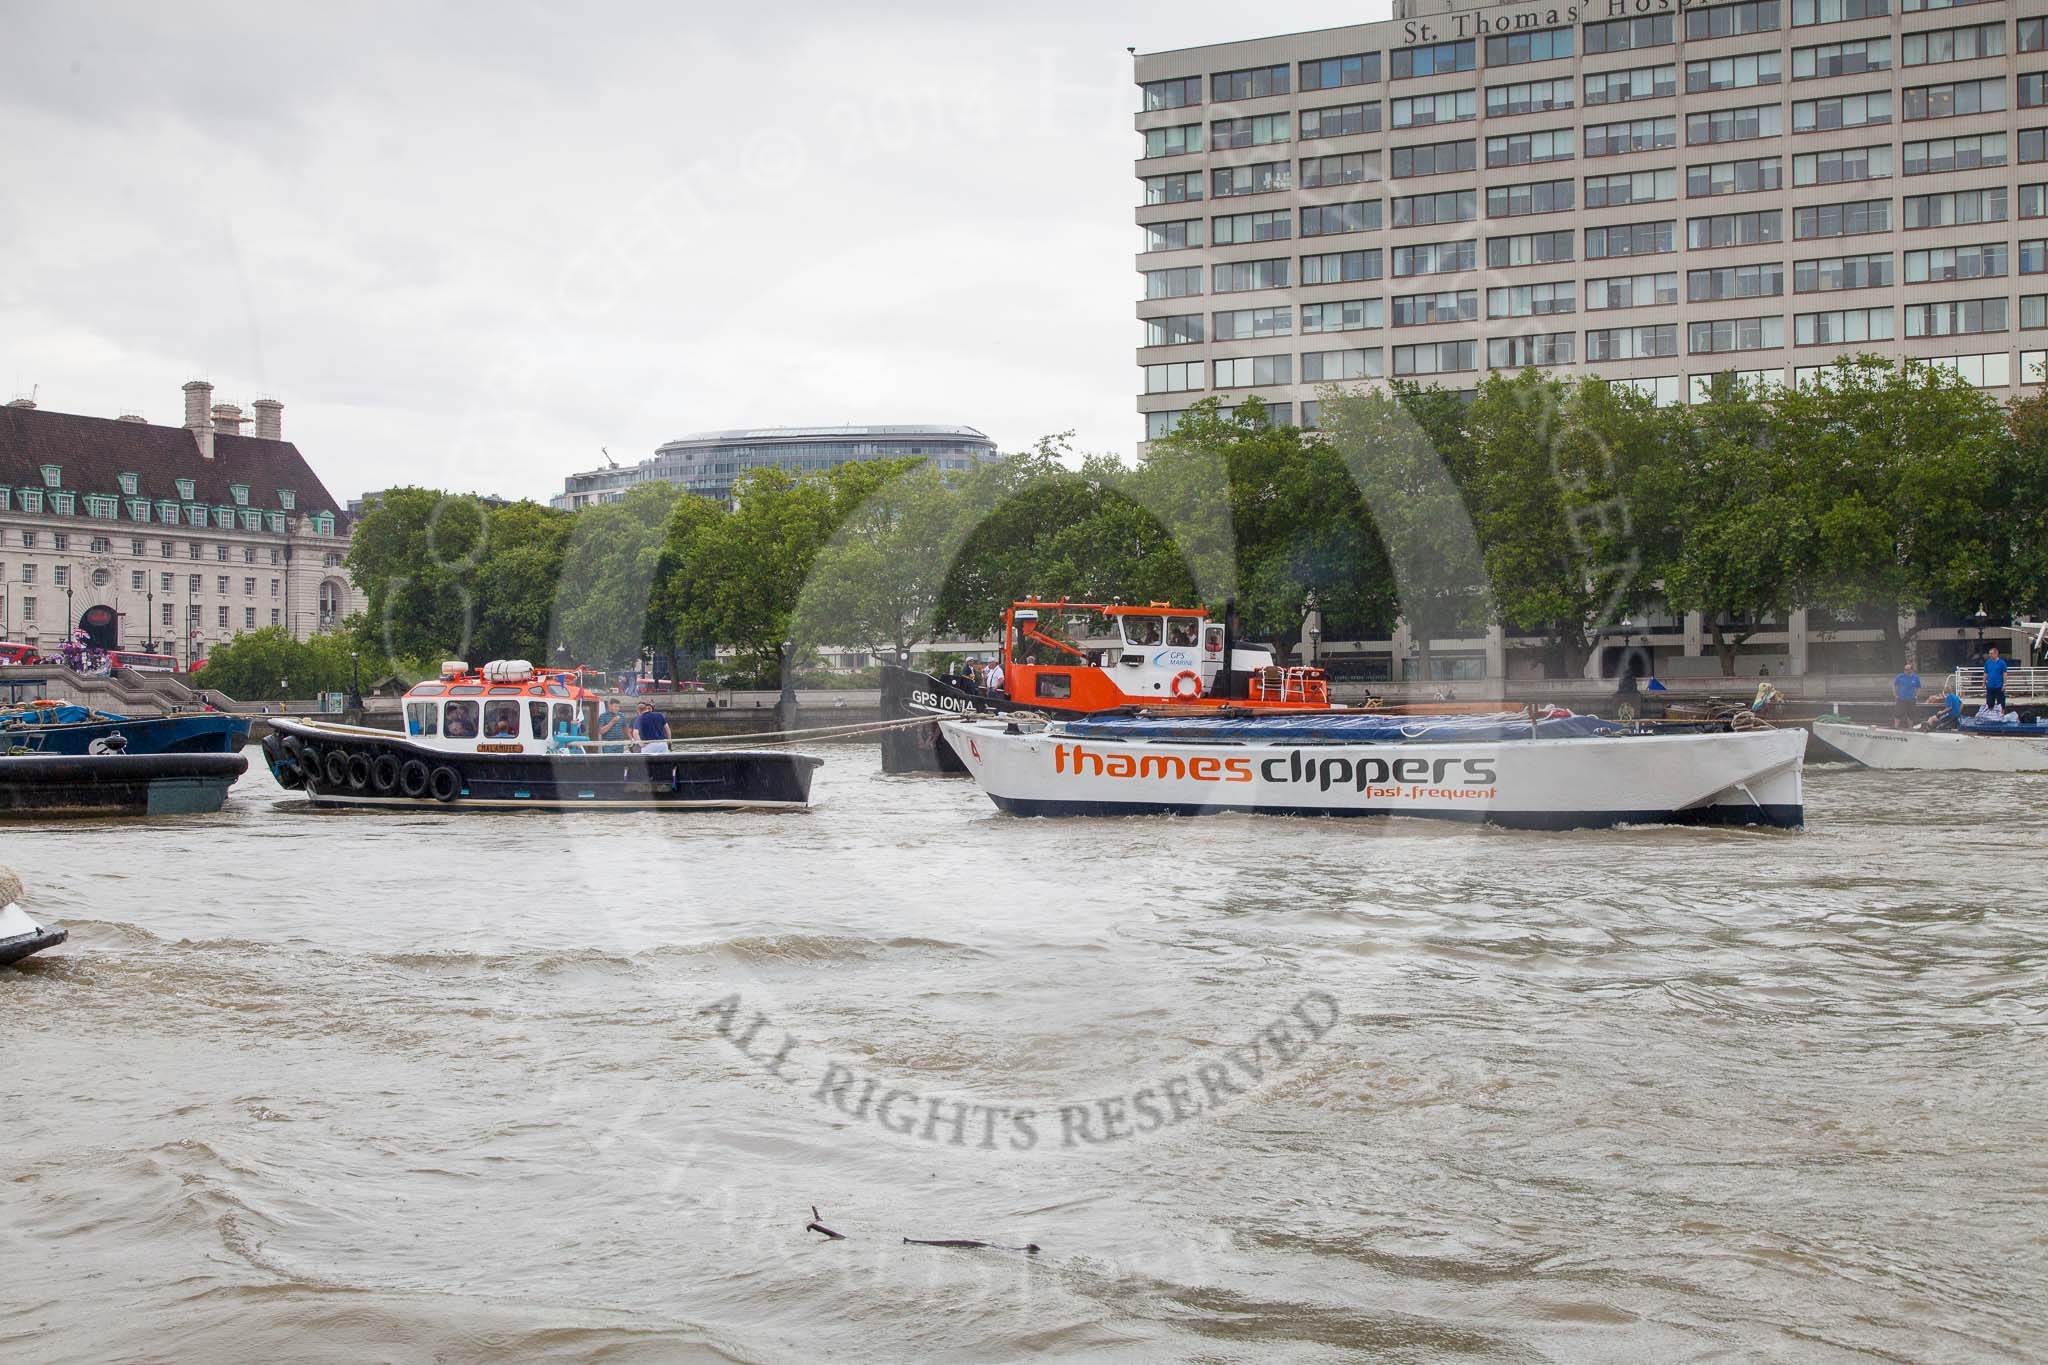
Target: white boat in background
1567	772
1991	749
20	935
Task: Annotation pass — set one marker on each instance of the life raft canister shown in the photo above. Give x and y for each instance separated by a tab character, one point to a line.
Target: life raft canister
1189	676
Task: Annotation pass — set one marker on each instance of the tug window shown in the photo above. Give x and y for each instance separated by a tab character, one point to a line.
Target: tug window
1181	631
1141	630
422	718
461	723
501	720
537	717
1213	639
565	718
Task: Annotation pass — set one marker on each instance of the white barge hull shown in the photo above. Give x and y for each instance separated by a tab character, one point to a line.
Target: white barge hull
1933	750
1743	778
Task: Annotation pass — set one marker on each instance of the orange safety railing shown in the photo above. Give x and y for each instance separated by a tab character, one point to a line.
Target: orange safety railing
1302	686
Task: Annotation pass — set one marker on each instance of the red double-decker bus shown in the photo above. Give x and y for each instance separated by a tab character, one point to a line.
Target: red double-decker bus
145	663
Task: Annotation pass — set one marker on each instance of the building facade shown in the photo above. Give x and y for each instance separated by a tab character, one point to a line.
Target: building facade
1639	189
707	464
164	539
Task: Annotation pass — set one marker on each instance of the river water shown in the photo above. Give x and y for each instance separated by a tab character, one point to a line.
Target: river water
427	1086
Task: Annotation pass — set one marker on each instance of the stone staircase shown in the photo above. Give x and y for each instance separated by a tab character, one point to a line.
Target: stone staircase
127	692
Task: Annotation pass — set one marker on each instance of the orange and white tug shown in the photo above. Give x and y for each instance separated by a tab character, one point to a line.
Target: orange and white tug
510	736
1070	659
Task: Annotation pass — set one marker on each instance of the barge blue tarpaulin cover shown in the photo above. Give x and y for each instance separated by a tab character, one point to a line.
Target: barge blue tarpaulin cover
1997	727
1327	727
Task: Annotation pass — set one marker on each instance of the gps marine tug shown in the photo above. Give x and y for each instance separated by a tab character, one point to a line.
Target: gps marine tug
1087	658
513	737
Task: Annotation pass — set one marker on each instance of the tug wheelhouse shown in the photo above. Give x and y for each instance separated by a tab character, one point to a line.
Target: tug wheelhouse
1084	656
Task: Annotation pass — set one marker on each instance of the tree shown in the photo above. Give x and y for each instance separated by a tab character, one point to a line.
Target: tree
605	602
1739	539
736	579
1041	529
1401	451
1898	470
269	665
414	557
515	583
878	582
1546	503
1269	518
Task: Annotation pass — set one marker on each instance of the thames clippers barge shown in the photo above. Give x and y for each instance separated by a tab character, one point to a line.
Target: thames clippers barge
1512	769
509	736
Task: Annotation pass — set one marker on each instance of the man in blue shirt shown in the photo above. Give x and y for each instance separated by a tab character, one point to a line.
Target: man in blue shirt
652	727
1905	696
1994	679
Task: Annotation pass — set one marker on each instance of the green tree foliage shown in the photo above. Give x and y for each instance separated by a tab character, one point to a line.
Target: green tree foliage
1725	518
1403	451
414	556
514	585
269	665
878	581
606	606
1546	505
1272	519
1898	468
736	578
1042	529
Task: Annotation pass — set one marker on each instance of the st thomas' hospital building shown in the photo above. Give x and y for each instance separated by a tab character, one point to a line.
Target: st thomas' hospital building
1649	191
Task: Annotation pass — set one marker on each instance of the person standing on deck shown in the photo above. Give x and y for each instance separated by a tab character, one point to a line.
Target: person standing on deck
652	728
1905	696
1994	679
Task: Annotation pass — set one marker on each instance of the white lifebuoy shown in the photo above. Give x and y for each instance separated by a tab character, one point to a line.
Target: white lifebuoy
1187	675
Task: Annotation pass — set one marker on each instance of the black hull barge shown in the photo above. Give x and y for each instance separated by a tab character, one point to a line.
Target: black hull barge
908	694
40	787
347	765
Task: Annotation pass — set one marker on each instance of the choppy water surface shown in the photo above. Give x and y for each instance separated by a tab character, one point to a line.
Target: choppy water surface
461	1087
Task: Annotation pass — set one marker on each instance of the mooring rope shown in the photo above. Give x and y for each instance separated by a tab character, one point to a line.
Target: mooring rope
815	731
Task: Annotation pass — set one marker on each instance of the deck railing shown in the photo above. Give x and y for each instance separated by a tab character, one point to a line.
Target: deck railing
2030	683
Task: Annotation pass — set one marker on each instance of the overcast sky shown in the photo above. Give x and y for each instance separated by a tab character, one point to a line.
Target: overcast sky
467	246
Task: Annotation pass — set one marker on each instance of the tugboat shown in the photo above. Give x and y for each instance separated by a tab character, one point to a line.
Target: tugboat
49	727
510	736
1072	659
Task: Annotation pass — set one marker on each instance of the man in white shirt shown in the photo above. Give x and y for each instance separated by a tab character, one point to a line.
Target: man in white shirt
992	679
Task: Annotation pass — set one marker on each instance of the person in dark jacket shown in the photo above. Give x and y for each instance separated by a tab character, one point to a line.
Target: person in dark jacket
652	728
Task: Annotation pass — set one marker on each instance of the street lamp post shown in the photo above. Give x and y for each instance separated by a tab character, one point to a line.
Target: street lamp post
355	684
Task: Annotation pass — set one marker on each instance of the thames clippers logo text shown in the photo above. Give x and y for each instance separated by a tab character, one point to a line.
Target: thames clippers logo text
1456	778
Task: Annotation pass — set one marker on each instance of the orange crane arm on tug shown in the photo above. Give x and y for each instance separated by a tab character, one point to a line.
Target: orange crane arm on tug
1032	632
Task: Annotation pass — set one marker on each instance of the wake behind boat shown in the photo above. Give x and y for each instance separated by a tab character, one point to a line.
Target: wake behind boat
513	737
1507	769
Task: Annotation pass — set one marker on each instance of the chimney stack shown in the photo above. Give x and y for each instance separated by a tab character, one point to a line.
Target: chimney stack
269	419
198	417
21	403
132	417
227	417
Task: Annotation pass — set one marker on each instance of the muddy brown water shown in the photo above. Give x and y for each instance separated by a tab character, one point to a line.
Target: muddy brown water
443	1087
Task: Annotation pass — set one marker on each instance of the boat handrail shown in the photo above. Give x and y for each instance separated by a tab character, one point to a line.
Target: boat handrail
2019	682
